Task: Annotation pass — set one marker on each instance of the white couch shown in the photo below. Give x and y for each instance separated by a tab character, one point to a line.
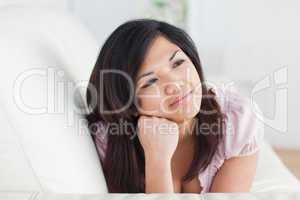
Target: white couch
43	147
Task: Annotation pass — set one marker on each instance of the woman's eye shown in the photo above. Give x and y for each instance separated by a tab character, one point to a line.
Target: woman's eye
177	63
148	83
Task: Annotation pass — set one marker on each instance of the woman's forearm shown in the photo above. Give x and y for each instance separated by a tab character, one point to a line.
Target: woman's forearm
158	175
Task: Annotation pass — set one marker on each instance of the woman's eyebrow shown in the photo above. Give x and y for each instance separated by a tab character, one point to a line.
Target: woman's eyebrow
148	73
173	55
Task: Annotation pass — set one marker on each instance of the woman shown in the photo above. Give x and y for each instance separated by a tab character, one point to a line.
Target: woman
180	135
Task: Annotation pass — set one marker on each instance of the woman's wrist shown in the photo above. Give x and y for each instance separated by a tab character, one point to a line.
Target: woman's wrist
157	159
158	174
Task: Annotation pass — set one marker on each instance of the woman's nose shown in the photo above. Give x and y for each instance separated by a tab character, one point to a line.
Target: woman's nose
172	89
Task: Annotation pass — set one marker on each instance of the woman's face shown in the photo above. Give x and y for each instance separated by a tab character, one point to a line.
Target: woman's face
167	83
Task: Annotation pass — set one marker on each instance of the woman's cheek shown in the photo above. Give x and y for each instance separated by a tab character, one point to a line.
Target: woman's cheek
150	106
143	104
188	72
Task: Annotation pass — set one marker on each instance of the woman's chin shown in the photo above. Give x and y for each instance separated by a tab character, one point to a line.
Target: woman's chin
183	115
178	114
185	111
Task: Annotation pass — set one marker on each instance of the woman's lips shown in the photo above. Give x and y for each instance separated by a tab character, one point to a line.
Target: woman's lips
180	99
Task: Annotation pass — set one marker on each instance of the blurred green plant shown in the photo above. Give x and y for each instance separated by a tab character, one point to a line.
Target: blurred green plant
159	3
171	11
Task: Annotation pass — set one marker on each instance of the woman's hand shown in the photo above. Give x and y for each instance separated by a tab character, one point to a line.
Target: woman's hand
158	136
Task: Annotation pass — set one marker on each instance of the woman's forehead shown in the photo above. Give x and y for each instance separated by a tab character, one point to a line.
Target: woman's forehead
159	52
159	48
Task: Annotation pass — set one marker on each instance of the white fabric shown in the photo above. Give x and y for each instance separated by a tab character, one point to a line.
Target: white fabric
49	143
272	175
51	151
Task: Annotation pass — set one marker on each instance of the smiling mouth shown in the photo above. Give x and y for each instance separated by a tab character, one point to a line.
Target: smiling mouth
181	98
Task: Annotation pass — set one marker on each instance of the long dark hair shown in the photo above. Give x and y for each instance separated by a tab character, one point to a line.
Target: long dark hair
124	50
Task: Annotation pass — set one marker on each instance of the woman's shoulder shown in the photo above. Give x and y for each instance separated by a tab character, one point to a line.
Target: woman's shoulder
243	131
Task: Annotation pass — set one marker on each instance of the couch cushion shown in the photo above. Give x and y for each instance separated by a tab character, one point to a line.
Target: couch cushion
43	54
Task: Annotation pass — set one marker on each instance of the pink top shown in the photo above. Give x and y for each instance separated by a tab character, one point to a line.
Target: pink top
243	133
